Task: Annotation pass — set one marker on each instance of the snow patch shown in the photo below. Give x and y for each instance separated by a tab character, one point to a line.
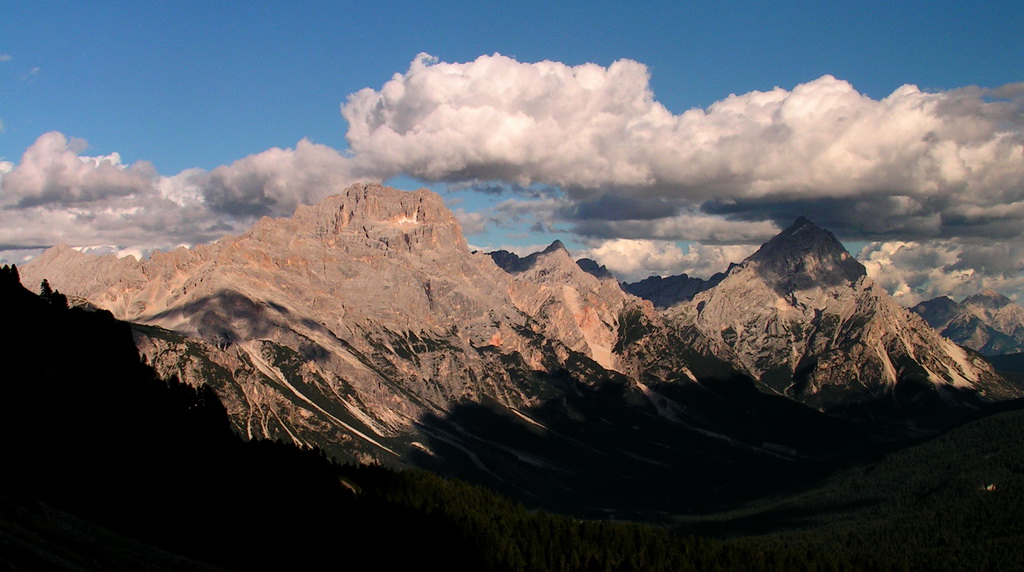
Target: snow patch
404	220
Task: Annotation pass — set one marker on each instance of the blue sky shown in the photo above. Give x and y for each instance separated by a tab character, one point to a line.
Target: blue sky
176	86
200	84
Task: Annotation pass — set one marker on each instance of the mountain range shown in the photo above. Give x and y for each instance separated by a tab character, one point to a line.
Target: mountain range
113	468
365	325
802	318
989	322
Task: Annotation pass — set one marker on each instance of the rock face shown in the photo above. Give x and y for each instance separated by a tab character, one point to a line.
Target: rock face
349	323
989	323
573	304
364	325
801	317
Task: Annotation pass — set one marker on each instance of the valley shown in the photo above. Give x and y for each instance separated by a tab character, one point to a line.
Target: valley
770	404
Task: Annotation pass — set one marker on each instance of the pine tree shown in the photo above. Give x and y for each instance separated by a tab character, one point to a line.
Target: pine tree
45	292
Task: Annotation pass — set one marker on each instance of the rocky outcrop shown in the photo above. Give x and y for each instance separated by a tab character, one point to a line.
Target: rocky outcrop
665	292
570	303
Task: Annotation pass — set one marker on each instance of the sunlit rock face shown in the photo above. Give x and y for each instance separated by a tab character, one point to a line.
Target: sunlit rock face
356	318
801	316
366	326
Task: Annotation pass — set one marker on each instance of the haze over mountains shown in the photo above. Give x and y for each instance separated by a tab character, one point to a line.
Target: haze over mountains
365	325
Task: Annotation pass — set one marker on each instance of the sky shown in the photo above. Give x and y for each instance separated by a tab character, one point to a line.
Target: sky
656	138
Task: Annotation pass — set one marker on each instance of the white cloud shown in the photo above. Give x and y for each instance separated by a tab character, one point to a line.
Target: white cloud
915	271
902	165
471	222
50	171
685	226
927	168
55	194
632	260
275	181
588	148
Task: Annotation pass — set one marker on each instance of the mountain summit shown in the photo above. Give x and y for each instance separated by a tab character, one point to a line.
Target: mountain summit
803	256
349	323
802	318
366	326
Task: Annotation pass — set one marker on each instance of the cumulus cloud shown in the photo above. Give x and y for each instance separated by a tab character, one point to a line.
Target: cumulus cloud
471	222
56	194
52	172
935	177
632	260
275	181
688	226
916	271
912	164
915	167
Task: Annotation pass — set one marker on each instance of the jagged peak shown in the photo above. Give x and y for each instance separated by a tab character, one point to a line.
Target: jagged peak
514	264
419	218
804	255
802	235
988	298
665	292
555	246
594	269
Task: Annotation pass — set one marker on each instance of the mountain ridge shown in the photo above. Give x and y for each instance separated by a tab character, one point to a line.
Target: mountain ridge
987	322
801	316
366	326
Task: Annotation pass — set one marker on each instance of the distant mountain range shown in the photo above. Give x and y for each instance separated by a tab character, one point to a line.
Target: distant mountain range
989	322
365	325
802	318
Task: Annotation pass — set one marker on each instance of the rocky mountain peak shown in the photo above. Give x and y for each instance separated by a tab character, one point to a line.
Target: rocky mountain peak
554	247
596	270
803	256
554	254
938	312
989	299
803	319
669	291
987	322
407	220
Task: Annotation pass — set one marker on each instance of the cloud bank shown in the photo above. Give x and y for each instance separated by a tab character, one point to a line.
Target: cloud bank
932	181
633	260
56	194
915	166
